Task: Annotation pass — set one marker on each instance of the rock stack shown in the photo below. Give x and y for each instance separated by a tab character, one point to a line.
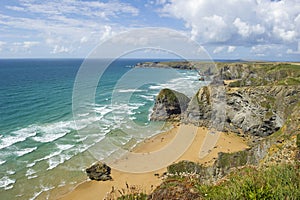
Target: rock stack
99	172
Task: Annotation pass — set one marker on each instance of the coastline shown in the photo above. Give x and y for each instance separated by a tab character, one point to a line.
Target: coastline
148	181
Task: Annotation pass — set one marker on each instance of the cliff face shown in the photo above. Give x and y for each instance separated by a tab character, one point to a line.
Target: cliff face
259	97
199	109
259	111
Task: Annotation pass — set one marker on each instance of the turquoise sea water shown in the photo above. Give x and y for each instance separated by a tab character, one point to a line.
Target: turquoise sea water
42	147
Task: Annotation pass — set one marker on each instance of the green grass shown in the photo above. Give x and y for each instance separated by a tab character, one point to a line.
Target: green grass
168	94
285	66
185	167
290	81
271	74
277	182
228	160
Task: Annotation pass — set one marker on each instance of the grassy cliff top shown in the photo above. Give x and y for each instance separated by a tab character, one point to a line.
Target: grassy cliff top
171	96
260	74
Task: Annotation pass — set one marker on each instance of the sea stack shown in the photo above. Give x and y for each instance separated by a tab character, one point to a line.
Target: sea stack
169	105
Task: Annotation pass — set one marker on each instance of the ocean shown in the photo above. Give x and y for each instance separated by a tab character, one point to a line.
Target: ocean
43	147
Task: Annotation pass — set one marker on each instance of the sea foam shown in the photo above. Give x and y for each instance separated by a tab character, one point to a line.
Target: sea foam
6	183
2	162
25	151
17	136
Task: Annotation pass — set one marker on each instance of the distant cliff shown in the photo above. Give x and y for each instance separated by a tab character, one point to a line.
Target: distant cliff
176	65
207	67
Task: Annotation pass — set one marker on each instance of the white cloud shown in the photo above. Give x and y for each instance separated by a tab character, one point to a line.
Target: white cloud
231	49
218	50
286	35
258	49
107	32
66	25
84	8
19	47
29	44
238	22
245	30
84	39
268	50
15	8
214	29
60	49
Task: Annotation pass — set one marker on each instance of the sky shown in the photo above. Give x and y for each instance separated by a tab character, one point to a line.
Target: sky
227	29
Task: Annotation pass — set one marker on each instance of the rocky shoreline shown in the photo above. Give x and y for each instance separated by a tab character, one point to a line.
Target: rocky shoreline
261	103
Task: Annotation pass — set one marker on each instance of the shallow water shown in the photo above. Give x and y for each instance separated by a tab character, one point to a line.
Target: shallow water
42	147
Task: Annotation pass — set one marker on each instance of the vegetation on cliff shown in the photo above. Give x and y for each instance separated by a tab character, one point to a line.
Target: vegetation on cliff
260	74
275	182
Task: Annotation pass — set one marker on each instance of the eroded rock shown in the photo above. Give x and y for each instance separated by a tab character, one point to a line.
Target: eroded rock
169	105
99	172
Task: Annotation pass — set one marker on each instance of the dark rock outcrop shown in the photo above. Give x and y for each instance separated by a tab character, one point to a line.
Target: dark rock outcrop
99	172
259	111
169	105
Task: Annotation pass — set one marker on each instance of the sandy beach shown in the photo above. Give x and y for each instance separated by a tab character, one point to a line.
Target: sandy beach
147	181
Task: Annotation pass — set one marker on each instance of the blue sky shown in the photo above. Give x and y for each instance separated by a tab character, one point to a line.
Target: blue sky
229	29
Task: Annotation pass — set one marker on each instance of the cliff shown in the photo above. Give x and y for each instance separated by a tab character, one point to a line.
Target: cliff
255	100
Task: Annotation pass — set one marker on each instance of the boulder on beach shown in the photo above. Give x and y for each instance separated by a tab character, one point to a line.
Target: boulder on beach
99	172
